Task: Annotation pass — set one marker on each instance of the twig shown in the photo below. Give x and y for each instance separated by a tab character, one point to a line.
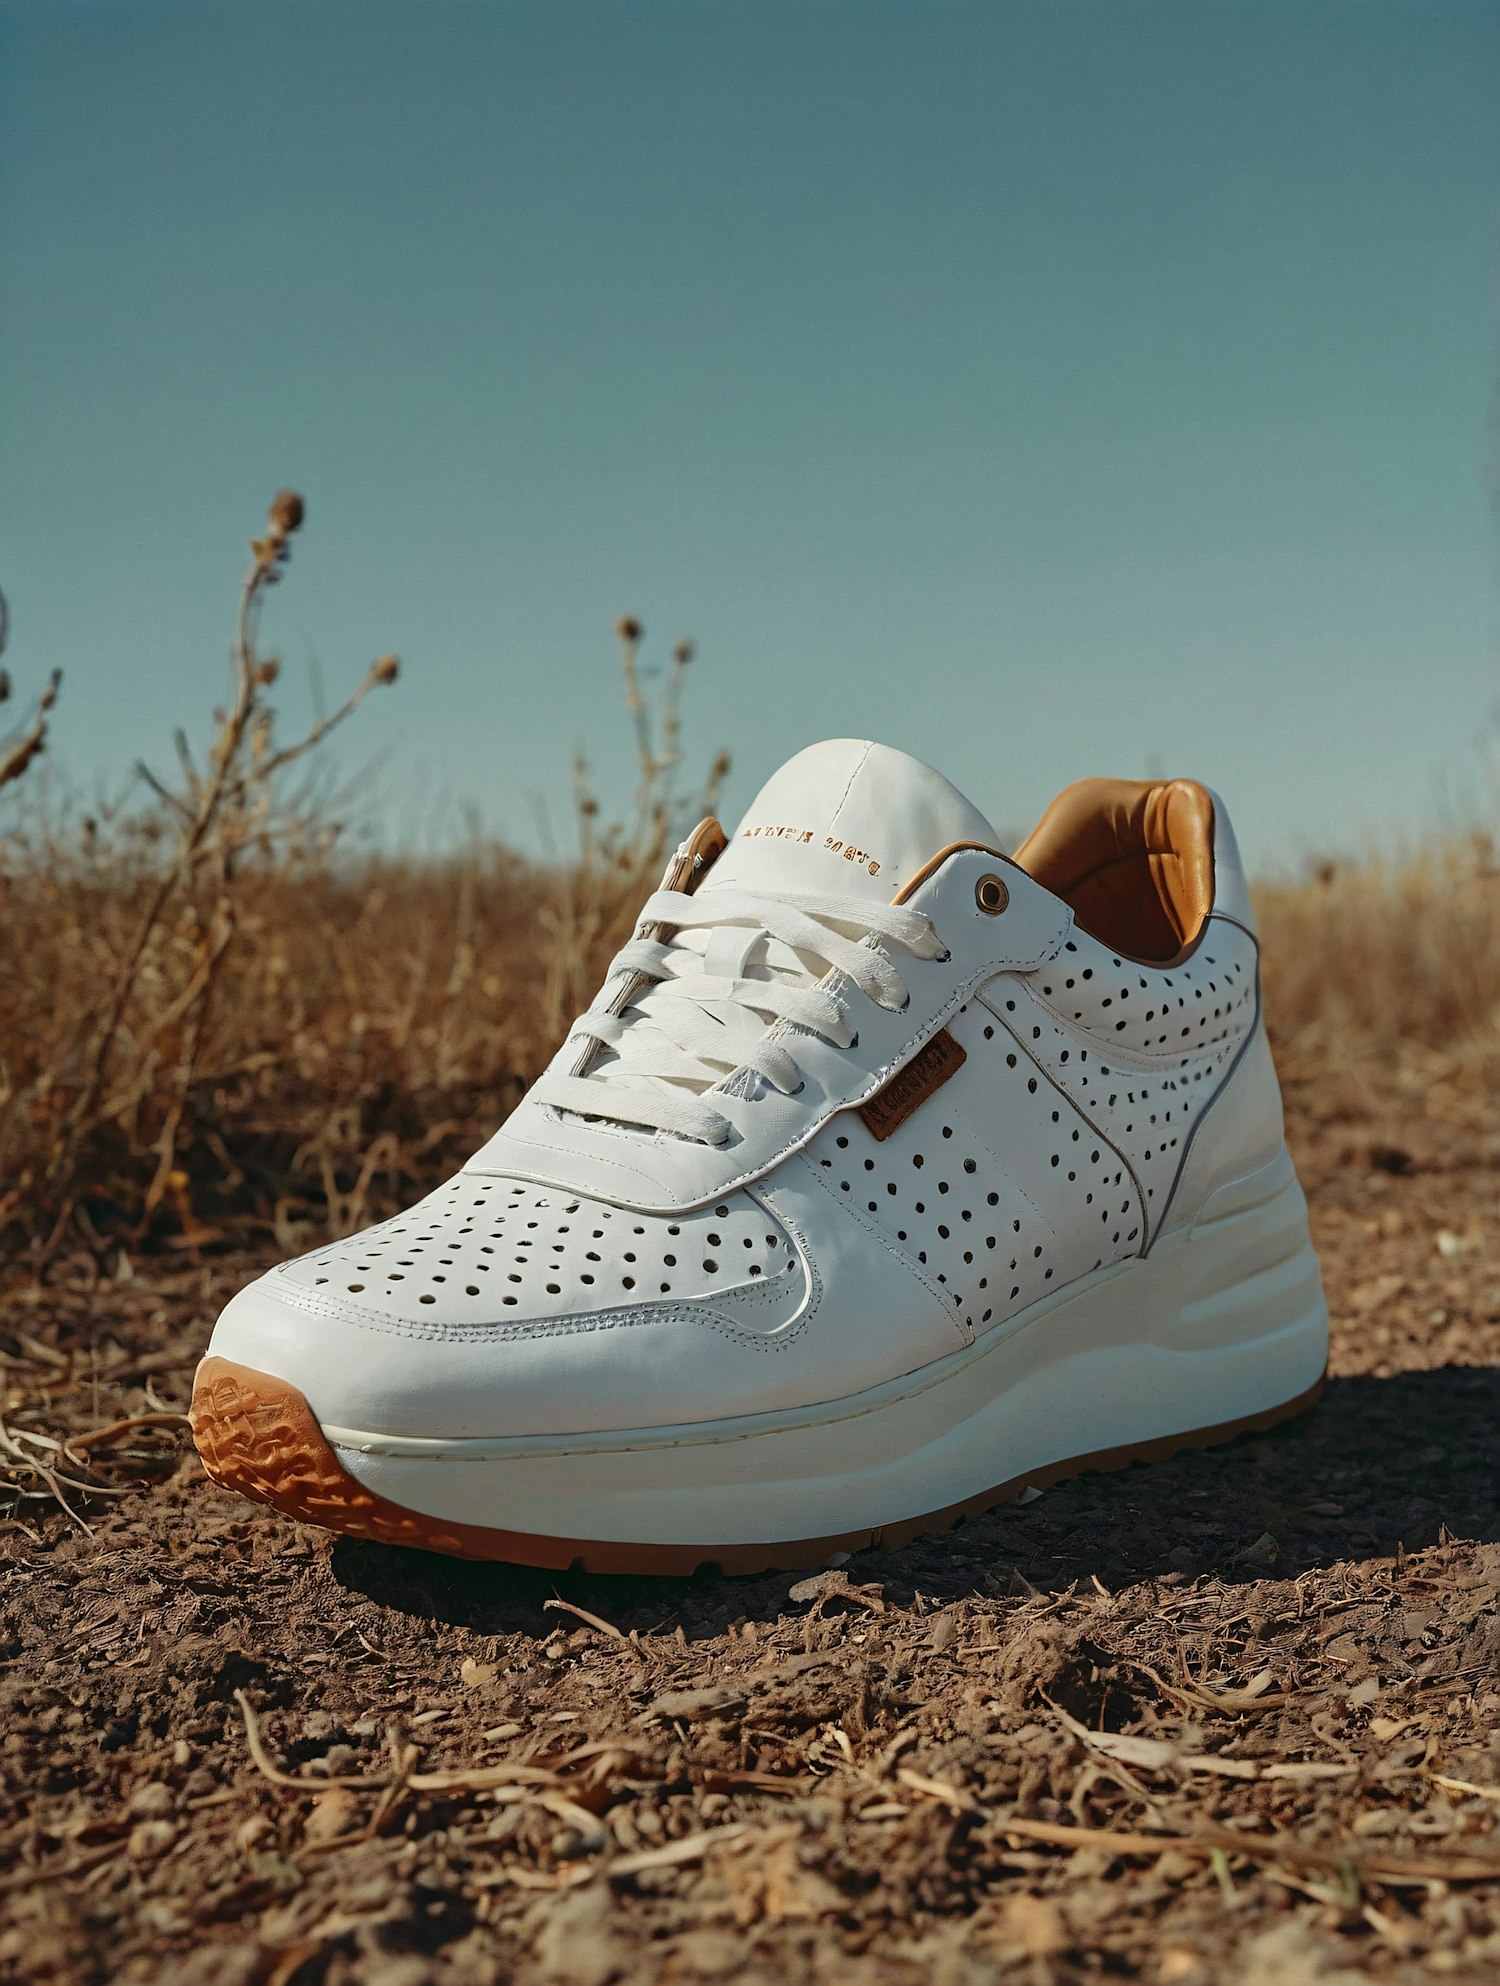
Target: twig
98	1434
379	673
1208	1839
390	1798
691	1848
14	761
557	1605
51	1480
477	1779
23	1878
163	792
1262	1847
1464	1786
938	1789
292	1782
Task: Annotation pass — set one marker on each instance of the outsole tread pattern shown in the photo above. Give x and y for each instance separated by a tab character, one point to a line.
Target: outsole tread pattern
257	1435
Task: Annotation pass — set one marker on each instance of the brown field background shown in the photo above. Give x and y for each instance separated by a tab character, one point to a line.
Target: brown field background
214	1025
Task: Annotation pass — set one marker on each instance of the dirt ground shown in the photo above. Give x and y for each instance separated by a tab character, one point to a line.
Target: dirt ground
1230	1718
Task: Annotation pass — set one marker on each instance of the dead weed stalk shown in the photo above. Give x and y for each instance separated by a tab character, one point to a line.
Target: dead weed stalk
19	751
211	1020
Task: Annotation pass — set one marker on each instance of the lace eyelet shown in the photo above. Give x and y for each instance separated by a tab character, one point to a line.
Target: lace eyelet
991	894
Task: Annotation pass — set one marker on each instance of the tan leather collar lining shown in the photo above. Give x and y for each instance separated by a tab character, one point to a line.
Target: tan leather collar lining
1132	858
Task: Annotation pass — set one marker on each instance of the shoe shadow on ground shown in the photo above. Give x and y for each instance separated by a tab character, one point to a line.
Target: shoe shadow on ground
1379	1462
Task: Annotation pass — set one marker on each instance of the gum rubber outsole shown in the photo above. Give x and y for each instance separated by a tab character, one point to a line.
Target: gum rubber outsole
257	1435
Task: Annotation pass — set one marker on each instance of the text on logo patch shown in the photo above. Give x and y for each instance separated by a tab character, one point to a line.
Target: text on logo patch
890	1107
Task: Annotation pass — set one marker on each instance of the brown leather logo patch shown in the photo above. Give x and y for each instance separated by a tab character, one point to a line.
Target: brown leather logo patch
910	1087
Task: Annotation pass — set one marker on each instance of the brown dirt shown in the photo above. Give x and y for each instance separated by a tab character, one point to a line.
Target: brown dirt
934	1764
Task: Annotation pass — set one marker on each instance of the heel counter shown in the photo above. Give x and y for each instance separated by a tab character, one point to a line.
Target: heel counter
1231	891
1242	1131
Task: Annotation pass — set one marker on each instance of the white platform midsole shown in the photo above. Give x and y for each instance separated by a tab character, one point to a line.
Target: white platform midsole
1224	1320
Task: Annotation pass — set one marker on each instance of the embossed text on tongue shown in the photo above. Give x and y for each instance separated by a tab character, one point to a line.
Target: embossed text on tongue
847	815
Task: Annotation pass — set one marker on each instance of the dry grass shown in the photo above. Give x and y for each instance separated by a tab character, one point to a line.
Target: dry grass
20	749
1389	954
212	1023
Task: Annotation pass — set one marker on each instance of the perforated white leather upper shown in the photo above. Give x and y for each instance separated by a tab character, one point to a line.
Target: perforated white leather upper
502	1251
1142	1074
1181	1011
992	1233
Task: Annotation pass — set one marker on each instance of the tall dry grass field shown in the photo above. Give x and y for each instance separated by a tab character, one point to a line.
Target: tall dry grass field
213	1024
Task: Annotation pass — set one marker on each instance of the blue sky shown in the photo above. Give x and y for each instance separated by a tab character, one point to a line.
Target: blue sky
1051	389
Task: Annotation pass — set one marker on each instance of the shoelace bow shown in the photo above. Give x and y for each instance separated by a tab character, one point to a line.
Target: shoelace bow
700	1016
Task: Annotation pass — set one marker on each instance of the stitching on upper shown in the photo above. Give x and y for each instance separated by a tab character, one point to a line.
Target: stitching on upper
575	1325
460	1221
792	1226
948	1301
1172	1066
1073	1034
541	1144
1145	1061
1050	1077
757	1296
1240	1053
1141	1058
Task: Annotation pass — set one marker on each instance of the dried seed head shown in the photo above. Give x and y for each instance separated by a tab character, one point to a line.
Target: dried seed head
684	652
386	670
628	628
287	512
4	686
267	672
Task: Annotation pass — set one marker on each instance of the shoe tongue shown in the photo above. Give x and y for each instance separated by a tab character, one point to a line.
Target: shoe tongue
848	816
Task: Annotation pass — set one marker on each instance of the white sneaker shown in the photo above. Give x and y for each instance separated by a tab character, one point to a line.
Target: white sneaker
886	1175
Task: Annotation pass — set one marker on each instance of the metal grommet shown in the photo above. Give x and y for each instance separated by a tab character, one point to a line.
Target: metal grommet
991	895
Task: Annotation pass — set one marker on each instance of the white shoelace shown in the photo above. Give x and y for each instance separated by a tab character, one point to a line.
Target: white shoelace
737	960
